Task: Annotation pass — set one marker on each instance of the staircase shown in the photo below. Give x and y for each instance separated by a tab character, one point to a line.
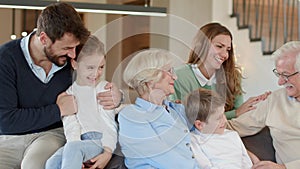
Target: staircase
256	67
273	22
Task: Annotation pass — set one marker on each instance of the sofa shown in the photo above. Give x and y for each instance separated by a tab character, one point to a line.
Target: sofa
261	145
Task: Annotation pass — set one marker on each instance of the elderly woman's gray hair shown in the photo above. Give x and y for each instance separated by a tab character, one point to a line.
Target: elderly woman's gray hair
289	48
146	66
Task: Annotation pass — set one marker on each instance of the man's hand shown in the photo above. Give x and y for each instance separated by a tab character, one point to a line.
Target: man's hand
67	104
110	99
268	165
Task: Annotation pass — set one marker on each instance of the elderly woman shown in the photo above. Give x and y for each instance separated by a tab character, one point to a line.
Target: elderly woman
153	131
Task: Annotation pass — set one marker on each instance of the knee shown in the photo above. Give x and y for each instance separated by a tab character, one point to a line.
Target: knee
53	163
73	146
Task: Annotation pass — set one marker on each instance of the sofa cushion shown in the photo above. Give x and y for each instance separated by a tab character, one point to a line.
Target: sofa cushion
116	162
261	144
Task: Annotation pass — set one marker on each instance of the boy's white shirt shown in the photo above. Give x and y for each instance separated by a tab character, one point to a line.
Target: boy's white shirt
220	151
90	116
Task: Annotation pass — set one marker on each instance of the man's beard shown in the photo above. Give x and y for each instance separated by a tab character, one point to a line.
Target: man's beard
55	59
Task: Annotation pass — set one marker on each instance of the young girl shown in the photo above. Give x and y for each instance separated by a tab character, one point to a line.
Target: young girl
92	131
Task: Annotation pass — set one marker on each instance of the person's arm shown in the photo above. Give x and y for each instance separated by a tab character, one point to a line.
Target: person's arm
250	123
241	107
248	158
238	101
271	165
25	104
230	114
144	146
250	104
110	130
66	104
16	119
253	157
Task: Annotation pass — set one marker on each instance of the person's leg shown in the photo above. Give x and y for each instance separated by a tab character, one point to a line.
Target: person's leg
54	162
42	147
11	151
72	155
76	152
81	151
92	144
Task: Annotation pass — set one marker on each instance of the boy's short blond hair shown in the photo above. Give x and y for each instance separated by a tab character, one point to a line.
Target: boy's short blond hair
201	103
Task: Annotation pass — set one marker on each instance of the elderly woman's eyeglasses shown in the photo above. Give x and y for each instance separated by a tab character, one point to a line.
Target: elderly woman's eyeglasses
171	71
285	77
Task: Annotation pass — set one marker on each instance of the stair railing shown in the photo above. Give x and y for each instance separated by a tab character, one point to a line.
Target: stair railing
274	22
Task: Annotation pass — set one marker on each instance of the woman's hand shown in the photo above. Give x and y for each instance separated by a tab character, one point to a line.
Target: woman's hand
250	103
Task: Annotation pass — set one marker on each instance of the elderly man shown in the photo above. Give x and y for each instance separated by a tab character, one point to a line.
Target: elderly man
280	111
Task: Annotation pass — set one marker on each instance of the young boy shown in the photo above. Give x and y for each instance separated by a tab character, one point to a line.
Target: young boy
212	144
92	131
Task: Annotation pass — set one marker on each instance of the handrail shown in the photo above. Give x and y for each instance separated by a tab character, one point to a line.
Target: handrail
274	22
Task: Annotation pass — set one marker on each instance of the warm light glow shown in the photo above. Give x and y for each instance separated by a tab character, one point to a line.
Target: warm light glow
104	11
24	33
22	7
13	37
122	12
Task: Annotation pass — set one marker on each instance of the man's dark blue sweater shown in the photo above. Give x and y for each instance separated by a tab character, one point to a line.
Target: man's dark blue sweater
27	105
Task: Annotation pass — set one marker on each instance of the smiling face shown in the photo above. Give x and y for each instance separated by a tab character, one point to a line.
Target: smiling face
61	49
89	69
219	52
286	65
215	124
166	84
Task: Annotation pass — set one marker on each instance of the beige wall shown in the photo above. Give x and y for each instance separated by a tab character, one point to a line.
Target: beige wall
188	16
175	33
257	68
6	24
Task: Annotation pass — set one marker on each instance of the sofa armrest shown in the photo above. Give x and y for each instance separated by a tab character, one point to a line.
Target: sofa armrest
117	160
